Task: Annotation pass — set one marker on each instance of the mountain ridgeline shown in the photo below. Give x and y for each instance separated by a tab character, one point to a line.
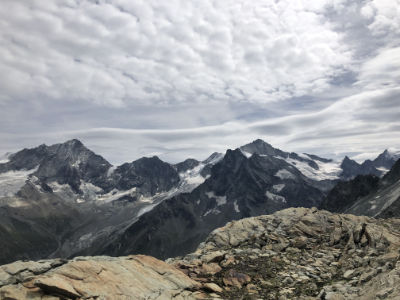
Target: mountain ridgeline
367	195
64	200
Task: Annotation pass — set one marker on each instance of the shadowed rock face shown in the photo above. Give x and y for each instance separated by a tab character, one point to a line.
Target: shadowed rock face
150	175
238	187
66	163
367	195
346	193
376	167
296	253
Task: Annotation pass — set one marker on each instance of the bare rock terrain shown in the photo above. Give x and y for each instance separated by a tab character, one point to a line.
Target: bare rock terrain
296	253
300	253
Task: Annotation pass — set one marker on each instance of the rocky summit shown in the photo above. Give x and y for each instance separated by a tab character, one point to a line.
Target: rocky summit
296	253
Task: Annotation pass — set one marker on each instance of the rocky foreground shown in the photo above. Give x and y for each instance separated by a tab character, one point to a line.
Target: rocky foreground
296	253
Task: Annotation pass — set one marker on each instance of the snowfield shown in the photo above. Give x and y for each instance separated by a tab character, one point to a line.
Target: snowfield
12	181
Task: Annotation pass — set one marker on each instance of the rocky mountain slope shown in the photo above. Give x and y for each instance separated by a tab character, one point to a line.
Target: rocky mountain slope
238	187
64	200
346	193
378	167
296	253
55	200
367	195
253	180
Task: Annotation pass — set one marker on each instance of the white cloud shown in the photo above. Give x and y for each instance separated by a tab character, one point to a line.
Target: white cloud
382	71
186	78
118	52
384	16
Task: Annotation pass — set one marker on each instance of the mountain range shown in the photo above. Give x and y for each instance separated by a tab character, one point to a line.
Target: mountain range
64	200
367	195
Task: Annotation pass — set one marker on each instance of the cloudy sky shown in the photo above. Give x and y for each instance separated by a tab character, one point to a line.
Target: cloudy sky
184	78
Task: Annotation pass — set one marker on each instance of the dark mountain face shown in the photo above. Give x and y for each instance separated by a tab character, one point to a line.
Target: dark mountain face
66	163
346	193
188	164
349	167
237	187
150	175
25	159
386	159
367	195
376	167
392	176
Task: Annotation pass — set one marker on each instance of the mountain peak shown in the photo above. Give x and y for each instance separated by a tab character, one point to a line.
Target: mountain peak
262	148
386	159
259	142
213	158
74	142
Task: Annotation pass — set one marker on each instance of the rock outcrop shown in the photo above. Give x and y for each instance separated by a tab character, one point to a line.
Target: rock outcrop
131	277
300	253
296	253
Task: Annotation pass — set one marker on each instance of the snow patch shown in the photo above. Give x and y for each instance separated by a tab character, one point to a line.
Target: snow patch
214	211
285	174
236	207
111	170
12	181
393	153
383	170
245	153
145	199
89	190
221	200
145	209
191	179
116	194
217	158
326	171
13	202
77	163
85	236
274	197
5	158
62	190
278	187
303	155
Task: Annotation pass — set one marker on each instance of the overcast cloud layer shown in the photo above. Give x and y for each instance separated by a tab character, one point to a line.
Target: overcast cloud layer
186	78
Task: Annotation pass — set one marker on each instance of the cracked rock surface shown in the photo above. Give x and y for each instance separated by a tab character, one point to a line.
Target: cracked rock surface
300	253
131	277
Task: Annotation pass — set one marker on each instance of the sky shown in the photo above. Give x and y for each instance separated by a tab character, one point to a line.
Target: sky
185	78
